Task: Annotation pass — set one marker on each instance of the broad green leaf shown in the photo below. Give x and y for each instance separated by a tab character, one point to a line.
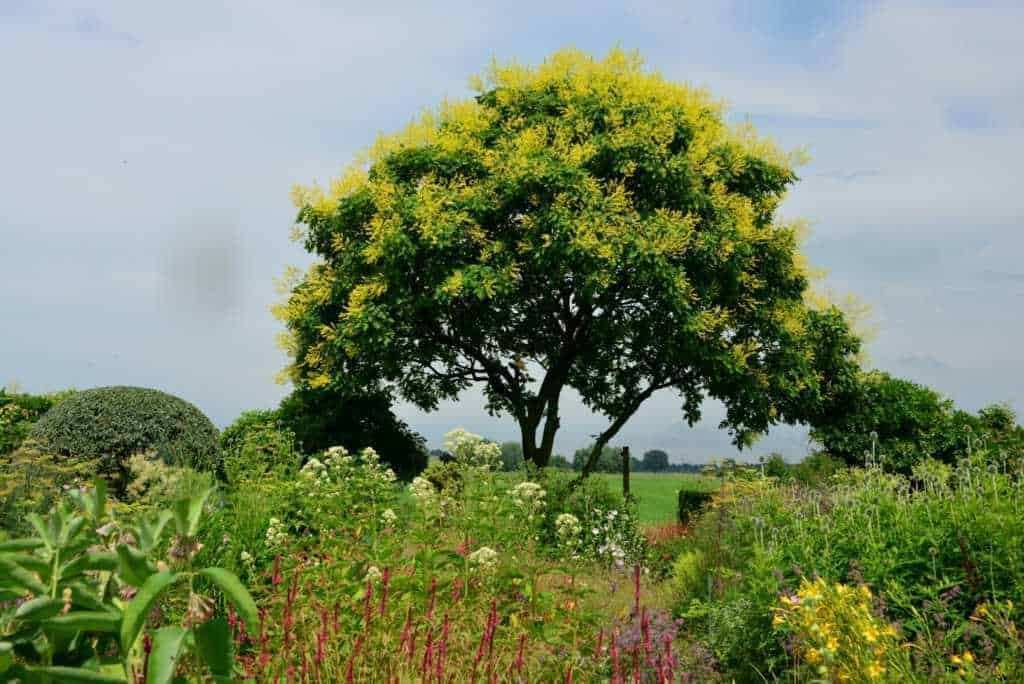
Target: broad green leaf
29	562
86	621
43	529
213	638
76	674
167	649
71	530
21	577
237	594
149	534
188	513
84	596
39	609
137	610
135	569
29	544
98	498
95	560
6	655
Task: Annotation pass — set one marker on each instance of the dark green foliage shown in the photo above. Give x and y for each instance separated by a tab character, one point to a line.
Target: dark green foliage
899	422
257	444
114	423
322	418
655	461
610	460
817	468
561	462
775	466
691	503
511	456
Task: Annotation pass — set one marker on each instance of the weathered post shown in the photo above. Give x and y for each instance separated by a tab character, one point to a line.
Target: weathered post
625	472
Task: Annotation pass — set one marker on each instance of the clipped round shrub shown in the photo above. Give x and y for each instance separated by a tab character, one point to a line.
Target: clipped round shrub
115	423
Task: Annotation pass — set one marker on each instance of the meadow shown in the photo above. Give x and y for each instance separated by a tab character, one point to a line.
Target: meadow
657	493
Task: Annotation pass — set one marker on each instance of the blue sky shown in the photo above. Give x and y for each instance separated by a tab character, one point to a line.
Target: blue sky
147	150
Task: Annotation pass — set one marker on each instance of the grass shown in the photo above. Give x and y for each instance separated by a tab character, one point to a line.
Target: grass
657	493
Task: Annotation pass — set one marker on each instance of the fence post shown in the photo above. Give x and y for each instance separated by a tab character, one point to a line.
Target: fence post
625	472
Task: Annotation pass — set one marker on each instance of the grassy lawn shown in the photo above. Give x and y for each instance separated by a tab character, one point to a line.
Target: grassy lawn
657	492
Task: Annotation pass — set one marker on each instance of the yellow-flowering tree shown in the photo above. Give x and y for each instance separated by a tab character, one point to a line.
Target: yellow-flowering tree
582	224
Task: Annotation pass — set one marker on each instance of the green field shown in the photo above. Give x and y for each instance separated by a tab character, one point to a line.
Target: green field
657	493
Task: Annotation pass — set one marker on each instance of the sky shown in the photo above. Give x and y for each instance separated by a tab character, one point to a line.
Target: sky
147	151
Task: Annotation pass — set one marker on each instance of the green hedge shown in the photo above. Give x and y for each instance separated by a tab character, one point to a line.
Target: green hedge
113	423
690	503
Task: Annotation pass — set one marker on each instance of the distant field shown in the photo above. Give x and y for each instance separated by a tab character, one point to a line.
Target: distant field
657	492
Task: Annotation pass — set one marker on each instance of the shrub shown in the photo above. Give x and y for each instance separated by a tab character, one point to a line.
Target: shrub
18	412
949	532
325	418
115	423
691	503
32	480
445	476
256	445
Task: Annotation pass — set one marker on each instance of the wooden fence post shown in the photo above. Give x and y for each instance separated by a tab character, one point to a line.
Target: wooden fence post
625	472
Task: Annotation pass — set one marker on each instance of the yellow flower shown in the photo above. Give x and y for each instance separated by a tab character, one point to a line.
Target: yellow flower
813	656
955	659
968	657
778	620
874	670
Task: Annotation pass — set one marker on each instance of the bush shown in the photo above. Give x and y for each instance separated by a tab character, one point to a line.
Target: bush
932	547
256	445
32	480
114	423
325	418
691	502
18	412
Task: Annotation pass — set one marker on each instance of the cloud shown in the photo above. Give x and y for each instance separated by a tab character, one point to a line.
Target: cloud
149	149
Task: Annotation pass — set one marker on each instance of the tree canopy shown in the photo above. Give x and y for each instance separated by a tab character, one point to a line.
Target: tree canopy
655	460
583	224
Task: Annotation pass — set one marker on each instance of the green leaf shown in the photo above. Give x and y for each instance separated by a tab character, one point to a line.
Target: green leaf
29	544
137	610
43	529
135	569
189	512
167	649
21	576
6	655
86	621
98	498
76	674
30	563
213	638
95	560
149	534
39	609
70	531
237	594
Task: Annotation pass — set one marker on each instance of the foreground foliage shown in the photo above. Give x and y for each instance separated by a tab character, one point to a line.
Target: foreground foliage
78	599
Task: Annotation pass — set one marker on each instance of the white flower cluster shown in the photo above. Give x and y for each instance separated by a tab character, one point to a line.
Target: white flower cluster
470	449
388	518
277	535
484	558
373	574
528	494
339	464
423	491
528	497
568	528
